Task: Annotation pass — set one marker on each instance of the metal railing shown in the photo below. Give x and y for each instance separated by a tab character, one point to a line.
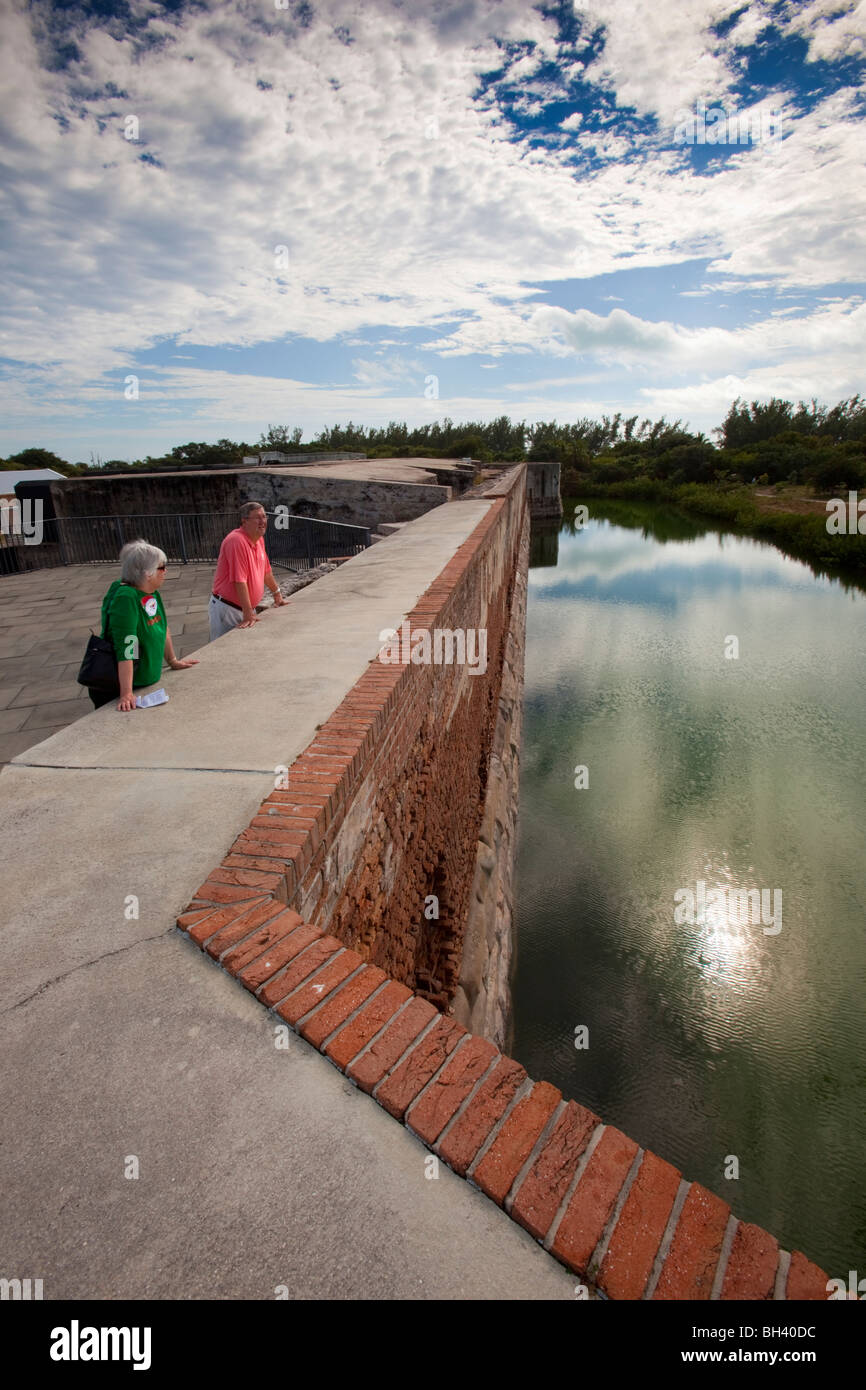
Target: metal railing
293	542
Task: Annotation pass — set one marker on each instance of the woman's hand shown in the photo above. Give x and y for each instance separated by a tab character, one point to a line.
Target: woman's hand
126	702
182	665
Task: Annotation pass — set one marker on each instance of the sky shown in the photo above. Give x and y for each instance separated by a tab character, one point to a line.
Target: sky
224	214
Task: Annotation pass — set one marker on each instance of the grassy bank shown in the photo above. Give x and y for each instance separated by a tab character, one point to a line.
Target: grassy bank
800	533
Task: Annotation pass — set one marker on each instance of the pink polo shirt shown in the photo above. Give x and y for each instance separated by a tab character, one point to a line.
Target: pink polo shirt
241	560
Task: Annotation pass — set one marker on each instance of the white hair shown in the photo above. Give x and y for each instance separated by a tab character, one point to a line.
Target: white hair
138	559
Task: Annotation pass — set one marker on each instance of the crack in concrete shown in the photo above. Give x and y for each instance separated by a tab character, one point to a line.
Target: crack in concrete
83	965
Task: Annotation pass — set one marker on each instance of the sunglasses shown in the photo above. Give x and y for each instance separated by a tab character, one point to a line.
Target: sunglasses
160	567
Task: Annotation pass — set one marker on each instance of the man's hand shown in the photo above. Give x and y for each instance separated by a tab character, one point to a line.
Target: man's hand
126	702
177	665
279	601
249	618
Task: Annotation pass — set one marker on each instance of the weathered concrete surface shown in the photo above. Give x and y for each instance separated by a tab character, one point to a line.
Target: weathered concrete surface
542	489
330	492
358	492
258	1167
397	470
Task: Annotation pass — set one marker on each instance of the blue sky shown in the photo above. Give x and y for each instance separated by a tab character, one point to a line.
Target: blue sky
309	211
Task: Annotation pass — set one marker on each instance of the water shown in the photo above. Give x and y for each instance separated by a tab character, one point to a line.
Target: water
718	1040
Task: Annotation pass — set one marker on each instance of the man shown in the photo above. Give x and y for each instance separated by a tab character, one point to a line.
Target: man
242	571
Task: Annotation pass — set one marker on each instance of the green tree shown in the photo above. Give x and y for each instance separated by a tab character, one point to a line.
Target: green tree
37	458
279	437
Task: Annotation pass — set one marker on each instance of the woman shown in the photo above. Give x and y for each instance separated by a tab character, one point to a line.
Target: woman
134	621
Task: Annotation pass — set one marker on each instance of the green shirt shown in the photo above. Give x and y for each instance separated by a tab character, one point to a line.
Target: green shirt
136	625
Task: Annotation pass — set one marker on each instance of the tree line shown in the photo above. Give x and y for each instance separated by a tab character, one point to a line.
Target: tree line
774	442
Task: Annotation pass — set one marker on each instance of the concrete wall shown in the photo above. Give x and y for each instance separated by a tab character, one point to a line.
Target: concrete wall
147	494
542	489
356	502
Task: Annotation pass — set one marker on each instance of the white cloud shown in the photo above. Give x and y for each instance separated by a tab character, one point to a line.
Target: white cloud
833	30
401	199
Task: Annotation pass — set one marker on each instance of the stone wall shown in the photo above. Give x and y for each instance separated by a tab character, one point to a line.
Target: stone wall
148	494
542	490
353	501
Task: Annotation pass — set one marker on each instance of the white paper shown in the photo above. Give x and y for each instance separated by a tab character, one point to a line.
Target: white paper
156	697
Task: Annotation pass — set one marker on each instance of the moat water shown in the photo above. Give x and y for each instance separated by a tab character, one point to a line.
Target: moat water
725	1032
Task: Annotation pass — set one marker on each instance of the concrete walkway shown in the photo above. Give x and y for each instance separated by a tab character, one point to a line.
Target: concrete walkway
46	617
125	1052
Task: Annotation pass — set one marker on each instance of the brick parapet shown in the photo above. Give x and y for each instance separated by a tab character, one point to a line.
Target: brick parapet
622	1219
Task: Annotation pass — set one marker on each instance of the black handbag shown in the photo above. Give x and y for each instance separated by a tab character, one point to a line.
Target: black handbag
99	667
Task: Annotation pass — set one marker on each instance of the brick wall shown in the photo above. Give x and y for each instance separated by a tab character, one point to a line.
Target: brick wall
382	811
317	908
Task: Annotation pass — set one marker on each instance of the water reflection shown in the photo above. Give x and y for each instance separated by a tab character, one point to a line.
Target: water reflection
717	1036
543	545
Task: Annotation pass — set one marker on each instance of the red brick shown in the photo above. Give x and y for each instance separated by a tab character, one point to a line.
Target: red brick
368	1071
593	1200
332	1013
398	1090
291	806
355	1036
254	946
350	751
242	926
305	999
805	1280
431	1114
546	1183
319	765
274	832
191	917
309	789
251	861
752	1264
273	828
244	878
296	856
513	1144
231	892
267	965
301	967
638	1233
210	925
690	1268
346	724
299	824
